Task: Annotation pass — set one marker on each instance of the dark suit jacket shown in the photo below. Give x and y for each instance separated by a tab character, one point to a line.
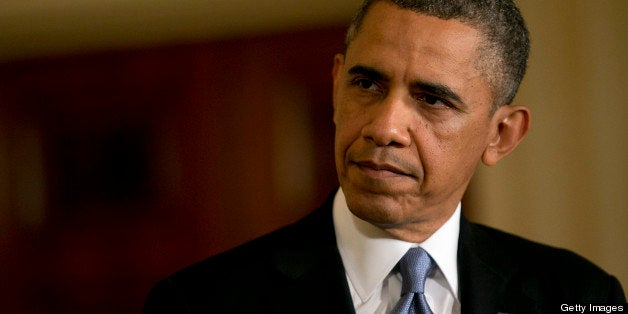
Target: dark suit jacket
298	269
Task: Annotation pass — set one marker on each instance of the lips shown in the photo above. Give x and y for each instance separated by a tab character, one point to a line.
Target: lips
381	169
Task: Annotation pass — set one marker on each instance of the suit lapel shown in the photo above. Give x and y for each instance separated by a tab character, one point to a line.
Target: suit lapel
312	267
488	274
480	284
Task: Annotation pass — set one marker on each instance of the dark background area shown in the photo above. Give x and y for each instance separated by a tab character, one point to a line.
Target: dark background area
124	166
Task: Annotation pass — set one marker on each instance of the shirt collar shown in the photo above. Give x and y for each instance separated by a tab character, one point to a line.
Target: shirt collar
369	253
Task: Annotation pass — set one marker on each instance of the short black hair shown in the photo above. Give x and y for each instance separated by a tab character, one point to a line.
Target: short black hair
506	45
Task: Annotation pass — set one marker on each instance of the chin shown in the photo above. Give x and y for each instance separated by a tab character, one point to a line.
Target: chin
374	208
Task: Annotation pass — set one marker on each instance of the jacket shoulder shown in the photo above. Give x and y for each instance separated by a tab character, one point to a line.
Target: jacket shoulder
309	235
267	265
217	283
542	270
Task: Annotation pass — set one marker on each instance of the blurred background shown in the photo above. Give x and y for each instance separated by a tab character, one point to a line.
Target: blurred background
137	137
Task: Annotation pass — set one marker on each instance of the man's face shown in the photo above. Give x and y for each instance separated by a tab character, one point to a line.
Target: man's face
412	116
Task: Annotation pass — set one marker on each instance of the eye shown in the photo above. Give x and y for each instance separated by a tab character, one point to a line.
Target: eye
365	83
432	101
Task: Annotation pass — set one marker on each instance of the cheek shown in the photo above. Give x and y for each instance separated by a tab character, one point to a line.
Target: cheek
463	132
454	147
473	138
347	132
348	123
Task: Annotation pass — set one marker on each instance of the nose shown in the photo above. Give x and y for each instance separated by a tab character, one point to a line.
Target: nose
389	124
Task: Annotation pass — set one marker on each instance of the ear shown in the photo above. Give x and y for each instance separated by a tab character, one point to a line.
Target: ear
339	62
509	126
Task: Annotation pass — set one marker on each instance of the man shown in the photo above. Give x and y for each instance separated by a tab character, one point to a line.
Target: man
421	96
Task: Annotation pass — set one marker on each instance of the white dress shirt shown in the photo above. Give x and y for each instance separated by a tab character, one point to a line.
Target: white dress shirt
369	255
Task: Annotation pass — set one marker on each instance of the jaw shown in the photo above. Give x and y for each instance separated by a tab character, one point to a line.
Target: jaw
413	216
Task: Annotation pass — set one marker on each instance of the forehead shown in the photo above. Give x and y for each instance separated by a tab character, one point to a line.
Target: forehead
416	46
384	19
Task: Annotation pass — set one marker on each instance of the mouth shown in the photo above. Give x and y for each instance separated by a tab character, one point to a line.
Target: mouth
381	170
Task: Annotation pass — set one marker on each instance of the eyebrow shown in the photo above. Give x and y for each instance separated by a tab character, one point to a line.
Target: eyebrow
369	72
437	89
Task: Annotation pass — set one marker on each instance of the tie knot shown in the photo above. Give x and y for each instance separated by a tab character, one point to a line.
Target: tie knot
414	266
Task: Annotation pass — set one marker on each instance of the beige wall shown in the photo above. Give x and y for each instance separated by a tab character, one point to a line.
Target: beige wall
567	184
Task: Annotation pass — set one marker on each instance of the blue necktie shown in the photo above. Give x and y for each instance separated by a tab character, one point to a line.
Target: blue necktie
414	268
